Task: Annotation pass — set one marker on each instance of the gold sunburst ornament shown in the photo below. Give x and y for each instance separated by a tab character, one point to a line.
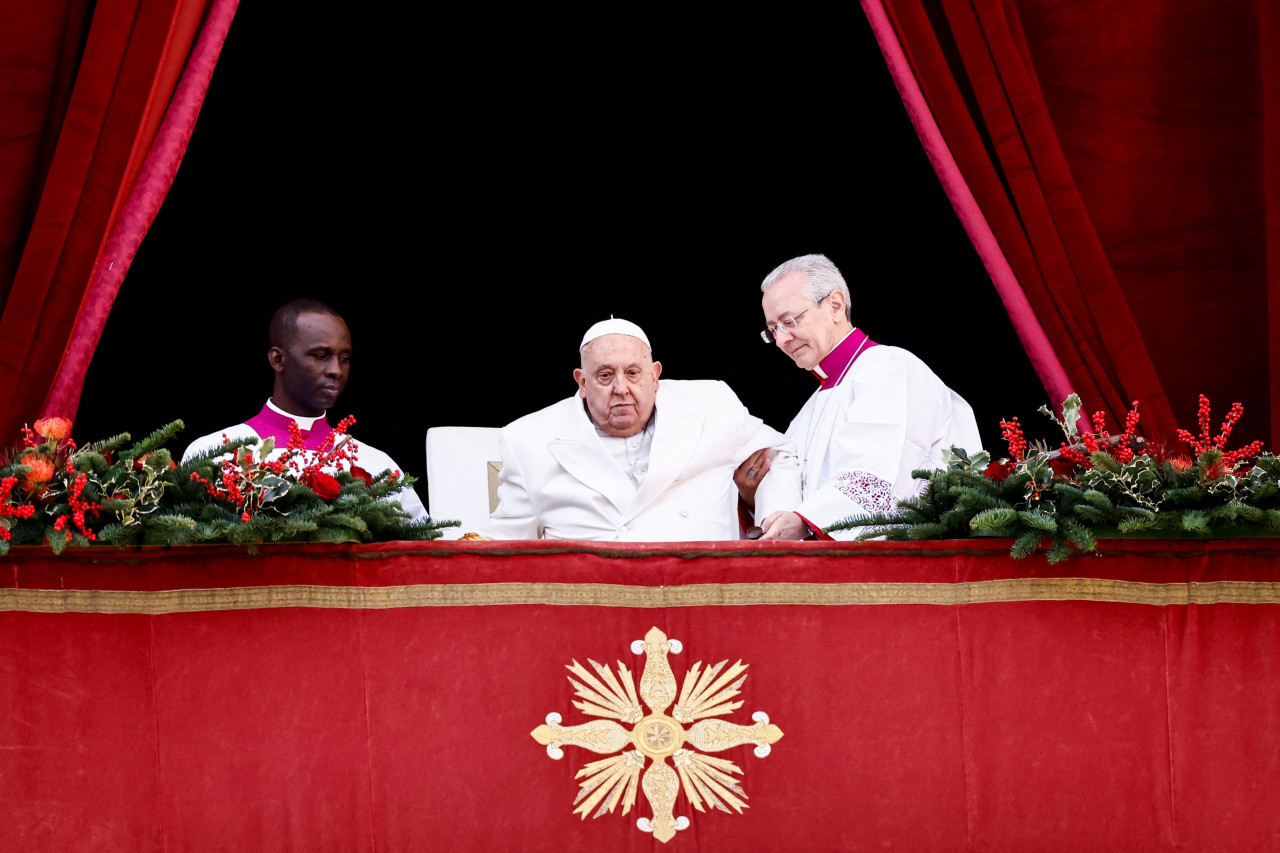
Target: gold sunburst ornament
657	736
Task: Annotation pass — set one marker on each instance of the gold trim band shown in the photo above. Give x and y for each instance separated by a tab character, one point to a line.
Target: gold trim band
614	595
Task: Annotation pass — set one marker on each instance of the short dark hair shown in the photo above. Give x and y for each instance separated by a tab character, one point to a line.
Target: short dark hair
284	323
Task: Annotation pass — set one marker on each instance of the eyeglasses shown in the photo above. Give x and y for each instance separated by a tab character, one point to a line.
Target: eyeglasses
770	333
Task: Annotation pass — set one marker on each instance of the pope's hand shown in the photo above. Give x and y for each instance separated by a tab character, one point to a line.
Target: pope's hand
784	525
749	474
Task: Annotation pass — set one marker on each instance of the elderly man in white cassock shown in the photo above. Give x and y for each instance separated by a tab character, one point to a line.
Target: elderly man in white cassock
877	414
630	459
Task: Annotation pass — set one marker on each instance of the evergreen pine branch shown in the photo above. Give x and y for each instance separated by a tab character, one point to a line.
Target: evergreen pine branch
151	442
1079	535
1251	514
1195	521
995	519
345	520
1228	513
105	445
1184	495
1088	514
1026	544
1059	550
922	532
1038	519
1136	524
893	534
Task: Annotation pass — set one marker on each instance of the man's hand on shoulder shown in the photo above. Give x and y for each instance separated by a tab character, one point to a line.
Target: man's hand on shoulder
784	525
749	474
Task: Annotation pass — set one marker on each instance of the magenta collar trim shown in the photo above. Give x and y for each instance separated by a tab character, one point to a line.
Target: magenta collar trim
832	370
269	423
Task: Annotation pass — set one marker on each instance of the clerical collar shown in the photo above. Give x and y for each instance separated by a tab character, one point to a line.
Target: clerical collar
303	423
273	422
832	370
631	452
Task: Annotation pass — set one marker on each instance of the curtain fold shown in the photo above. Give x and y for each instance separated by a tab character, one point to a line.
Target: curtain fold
1039	348
133	54
1119	154
150	185
41	44
1270	28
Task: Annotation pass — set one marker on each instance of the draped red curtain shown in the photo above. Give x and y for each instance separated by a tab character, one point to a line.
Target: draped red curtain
1122	155
94	134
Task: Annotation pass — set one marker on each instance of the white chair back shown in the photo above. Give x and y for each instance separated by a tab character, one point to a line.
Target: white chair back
462	476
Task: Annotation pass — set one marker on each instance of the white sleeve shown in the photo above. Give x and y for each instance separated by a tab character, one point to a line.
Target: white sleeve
214	440
515	516
780	488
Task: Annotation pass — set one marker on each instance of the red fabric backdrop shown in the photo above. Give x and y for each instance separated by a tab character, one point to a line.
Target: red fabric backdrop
1124	157
931	697
87	162
1120	156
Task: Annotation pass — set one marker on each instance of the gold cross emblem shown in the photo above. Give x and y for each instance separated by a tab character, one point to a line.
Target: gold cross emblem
656	737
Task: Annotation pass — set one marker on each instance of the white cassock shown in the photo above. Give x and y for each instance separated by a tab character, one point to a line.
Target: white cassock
560	481
880	414
273	422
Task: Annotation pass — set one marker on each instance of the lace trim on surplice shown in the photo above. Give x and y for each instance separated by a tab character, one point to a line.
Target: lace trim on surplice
871	493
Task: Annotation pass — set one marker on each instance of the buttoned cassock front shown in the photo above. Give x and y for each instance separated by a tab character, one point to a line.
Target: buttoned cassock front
559	481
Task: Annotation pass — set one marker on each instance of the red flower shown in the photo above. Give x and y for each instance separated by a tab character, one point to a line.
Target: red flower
322	484
41	471
1063	466
54	429
999	470
361	474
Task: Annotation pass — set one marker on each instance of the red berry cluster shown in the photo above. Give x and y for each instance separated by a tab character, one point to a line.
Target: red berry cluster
1205	441
1121	449
1012	432
79	509
242	481
309	465
11	509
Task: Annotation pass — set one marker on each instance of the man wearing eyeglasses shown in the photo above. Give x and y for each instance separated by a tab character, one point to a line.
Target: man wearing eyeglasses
627	460
878	412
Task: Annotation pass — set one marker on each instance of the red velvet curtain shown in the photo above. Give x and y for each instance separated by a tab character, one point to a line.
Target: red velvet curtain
84	162
1122	156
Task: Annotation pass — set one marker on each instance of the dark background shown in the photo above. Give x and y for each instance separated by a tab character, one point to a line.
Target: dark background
471	205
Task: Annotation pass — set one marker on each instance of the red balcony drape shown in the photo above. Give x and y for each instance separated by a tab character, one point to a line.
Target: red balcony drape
931	696
1124	157
91	144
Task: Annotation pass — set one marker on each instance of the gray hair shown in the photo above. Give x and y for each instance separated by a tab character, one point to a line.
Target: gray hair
821	278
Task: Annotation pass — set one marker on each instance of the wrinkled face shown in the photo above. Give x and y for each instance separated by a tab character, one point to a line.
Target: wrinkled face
312	368
816	332
619	381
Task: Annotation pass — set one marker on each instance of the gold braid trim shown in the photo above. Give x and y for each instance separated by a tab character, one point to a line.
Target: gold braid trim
615	595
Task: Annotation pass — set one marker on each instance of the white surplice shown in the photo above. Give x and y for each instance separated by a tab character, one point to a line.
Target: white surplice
272	422
880	414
